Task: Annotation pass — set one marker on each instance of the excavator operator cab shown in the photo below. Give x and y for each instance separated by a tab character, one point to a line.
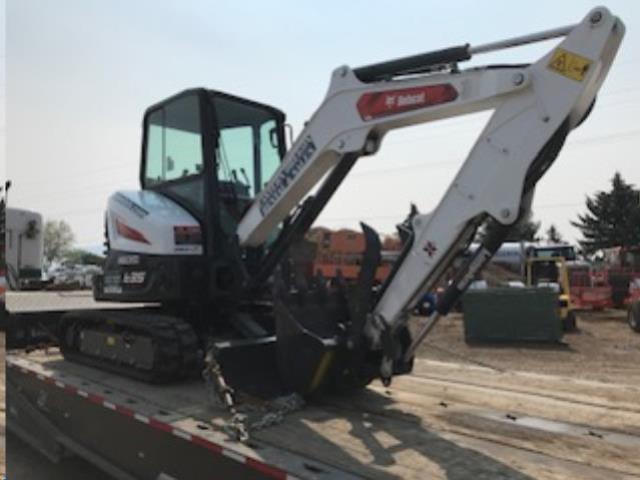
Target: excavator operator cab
211	153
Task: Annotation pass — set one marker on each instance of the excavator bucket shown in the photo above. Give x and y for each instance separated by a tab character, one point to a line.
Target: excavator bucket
308	334
319	328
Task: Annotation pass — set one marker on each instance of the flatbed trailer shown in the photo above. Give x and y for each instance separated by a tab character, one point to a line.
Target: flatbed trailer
426	428
446	420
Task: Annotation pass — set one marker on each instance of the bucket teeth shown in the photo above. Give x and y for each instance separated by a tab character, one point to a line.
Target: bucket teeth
319	326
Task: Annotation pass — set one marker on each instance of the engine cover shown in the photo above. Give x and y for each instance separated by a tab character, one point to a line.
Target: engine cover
147	222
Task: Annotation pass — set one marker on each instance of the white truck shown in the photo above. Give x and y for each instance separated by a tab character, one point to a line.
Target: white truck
24	244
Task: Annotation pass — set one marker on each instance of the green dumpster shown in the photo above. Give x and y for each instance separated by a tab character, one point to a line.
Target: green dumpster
511	315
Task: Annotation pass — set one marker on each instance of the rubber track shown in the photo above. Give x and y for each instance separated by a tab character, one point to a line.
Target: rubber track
175	343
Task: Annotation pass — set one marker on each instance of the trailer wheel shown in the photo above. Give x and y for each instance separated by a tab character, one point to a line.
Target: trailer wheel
569	323
633	316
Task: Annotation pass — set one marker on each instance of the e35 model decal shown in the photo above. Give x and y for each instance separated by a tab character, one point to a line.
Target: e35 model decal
279	184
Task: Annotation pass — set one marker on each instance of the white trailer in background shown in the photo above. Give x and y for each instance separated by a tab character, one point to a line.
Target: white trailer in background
24	244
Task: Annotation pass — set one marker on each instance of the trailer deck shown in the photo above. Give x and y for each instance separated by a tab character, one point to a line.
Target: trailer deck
445	421
58	301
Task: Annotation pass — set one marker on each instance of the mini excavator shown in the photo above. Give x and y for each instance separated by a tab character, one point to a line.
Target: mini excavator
210	239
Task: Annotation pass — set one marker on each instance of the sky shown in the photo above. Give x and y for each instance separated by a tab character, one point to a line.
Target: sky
80	73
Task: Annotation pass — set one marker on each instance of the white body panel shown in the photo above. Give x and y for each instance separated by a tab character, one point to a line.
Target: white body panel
24	240
154	216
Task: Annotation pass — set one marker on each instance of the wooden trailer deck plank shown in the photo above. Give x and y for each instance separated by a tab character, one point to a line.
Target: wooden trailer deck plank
589	392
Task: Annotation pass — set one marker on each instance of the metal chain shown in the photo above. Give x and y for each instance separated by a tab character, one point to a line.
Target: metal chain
274	411
247	417
222	395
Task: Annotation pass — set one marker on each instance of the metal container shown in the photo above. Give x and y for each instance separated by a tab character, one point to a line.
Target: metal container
512	314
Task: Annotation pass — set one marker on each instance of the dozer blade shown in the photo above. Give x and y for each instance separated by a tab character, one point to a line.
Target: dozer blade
319	328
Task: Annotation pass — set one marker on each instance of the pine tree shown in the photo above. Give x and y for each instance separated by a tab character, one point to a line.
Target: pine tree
553	235
525	230
2	232
612	218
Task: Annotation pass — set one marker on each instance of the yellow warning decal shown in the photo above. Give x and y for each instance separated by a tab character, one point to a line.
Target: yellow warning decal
569	64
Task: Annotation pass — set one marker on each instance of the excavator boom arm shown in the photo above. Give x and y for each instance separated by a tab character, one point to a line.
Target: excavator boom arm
535	107
363	104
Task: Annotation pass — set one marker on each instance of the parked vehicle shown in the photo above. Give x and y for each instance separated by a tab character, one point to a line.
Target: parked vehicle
68	276
24	244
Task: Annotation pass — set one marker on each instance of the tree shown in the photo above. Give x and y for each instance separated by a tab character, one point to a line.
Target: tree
79	256
525	230
392	242
612	218
58	239
2	232
553	235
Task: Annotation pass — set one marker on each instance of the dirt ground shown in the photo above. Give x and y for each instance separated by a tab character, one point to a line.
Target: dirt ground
604	349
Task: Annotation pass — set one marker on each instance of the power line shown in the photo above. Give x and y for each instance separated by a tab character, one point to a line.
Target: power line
452	125
81	174
401	216
605	138
378	171
85	191
557	206
83	211
399	168
412	166
459	131
580	142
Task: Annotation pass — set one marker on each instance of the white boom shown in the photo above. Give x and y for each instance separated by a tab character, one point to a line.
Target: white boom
535	106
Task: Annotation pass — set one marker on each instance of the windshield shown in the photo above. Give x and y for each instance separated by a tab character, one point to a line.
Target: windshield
248	144
174	159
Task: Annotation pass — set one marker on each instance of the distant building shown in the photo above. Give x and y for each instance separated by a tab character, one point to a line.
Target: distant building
340	252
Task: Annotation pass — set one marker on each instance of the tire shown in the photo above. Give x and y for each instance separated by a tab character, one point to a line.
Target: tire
570	323
633	316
